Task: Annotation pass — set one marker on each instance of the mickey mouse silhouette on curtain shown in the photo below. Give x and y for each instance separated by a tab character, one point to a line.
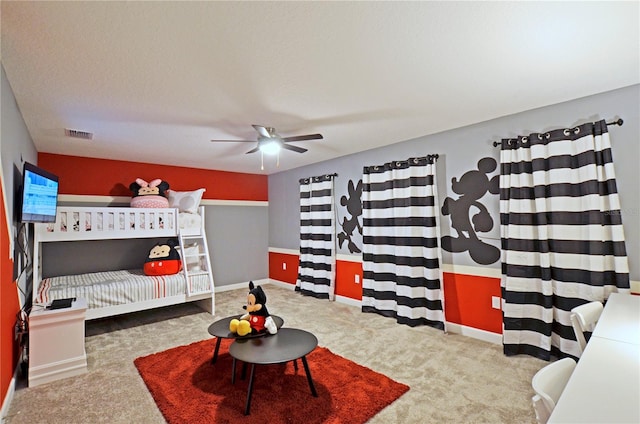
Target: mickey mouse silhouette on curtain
471	187
353	202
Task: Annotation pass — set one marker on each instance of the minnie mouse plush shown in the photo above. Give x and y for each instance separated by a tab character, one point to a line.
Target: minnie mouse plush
149	194
257	320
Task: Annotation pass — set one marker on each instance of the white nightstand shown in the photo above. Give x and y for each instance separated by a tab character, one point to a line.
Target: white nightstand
56	343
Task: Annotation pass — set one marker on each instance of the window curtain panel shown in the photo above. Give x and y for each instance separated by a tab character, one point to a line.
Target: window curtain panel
561	233
316	268
401	256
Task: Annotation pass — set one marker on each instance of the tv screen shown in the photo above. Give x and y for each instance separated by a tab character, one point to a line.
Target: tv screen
39	194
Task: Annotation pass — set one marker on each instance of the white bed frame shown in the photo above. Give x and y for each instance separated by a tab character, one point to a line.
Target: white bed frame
106	225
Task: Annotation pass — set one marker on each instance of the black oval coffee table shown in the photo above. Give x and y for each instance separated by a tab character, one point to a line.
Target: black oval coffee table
220	330
288	344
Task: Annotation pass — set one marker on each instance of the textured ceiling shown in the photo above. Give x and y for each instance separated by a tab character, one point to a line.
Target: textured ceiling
155	81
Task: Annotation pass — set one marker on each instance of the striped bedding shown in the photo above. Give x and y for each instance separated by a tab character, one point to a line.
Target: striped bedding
111	288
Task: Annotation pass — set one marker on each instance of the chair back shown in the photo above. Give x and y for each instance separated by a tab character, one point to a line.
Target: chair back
583	318
548	383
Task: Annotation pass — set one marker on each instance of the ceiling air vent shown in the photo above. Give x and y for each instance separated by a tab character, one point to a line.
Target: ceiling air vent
78	134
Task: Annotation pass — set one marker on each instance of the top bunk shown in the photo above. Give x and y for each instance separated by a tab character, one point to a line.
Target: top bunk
101	223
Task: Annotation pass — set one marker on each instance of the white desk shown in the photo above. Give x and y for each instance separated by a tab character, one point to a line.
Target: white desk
620	319
605	385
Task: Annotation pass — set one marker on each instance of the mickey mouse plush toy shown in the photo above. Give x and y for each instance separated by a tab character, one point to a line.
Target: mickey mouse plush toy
163	259
257	319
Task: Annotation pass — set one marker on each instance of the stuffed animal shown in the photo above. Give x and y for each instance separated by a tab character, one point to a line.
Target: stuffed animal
257	319
149	194
163	259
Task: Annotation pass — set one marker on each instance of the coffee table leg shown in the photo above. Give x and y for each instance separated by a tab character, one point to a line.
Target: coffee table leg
233	371
306	370
247	407
215	351
244	371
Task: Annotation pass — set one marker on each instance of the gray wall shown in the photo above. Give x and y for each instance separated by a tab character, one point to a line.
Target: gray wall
16	147
461	148
238	242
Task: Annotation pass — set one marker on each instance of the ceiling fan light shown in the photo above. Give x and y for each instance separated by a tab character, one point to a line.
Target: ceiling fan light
270	147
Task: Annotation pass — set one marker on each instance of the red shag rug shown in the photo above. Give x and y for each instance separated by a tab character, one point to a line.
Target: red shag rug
189	389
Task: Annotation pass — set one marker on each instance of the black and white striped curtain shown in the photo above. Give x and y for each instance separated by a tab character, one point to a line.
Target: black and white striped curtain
401	255
316	268
562	236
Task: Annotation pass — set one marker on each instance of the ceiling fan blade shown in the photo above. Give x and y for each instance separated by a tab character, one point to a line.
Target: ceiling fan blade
233	141
253	150
262	130
294	148
303	137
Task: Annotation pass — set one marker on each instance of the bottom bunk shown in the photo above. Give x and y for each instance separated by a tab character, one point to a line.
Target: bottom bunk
117	292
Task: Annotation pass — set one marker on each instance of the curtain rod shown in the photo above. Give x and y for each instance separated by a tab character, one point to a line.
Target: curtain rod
618	122
325	176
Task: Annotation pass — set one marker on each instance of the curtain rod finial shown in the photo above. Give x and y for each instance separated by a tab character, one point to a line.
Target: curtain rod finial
617	122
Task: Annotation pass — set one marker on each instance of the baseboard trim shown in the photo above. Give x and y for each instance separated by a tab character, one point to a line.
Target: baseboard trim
48	372
6	403
474	333
349	301
341	299
282	284
243	285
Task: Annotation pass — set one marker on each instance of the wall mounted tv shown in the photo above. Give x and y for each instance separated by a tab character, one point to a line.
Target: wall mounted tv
39	195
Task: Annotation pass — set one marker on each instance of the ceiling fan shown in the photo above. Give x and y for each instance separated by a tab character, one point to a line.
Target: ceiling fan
270	142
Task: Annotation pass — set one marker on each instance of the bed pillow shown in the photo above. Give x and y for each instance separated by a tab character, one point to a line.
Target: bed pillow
185	201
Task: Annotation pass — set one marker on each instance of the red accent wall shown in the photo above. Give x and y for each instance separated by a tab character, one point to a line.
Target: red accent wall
276	272
106	177
346	285
467	297
468	301
9	307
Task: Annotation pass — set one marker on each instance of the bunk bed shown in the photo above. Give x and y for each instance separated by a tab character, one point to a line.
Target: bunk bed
117	292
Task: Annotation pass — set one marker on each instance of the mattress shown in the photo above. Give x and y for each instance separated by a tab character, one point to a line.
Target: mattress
109	288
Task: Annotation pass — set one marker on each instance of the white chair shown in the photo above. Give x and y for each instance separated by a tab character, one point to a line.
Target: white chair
583	318
548	383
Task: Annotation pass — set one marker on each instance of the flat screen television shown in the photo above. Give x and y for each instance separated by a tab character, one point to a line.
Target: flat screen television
39	195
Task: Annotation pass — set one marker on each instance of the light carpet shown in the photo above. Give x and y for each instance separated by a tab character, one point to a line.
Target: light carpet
453	378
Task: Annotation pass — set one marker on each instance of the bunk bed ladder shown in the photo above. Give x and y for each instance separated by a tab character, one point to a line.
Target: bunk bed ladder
196	262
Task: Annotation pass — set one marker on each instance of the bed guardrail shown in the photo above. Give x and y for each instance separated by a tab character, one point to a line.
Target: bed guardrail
91	223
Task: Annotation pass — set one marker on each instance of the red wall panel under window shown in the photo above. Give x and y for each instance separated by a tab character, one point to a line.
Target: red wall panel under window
468	301
276	271
346	285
